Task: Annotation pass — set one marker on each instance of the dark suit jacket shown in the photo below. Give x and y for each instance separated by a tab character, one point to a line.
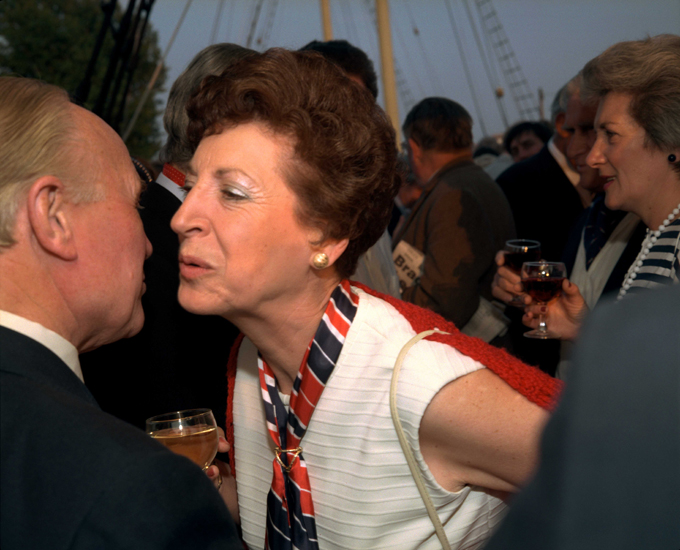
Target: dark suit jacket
626	259
75	477
459	223
178	360
610	456
544	203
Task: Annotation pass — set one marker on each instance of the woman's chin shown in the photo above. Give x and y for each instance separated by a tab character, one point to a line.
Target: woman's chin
198	305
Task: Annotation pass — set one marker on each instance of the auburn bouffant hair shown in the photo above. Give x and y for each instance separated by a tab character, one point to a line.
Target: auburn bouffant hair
344	168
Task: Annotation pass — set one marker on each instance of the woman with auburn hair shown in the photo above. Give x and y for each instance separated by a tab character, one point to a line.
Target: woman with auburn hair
292	180
637	150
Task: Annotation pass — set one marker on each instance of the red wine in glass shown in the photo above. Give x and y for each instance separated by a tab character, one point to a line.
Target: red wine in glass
518	251
543	290
543	282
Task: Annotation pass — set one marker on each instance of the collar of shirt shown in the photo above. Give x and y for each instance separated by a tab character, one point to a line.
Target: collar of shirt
165	182
56	343
573	176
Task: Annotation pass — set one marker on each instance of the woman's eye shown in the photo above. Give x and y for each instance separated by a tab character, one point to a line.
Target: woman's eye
233	193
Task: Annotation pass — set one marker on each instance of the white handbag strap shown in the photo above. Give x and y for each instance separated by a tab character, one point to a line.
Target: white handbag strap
408	453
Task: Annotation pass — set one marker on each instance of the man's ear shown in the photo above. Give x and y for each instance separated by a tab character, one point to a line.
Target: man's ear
50	219
416	150
559	122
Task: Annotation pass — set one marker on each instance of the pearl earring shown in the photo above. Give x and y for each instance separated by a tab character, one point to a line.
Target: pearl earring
672	158
320	260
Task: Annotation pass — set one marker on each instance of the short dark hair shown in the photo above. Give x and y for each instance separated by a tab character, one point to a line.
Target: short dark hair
540	129
440	124
344	168
350	59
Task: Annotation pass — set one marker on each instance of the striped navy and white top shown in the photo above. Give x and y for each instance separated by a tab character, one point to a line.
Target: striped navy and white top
661	266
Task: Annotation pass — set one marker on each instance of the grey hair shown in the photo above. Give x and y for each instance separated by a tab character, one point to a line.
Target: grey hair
38	138
649	71
212	60
564	95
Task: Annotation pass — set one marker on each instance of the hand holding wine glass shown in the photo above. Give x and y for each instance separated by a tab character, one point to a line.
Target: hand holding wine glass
543	282
565	315
191	433
507	282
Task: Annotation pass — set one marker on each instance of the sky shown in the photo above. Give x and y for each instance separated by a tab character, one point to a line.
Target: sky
551	40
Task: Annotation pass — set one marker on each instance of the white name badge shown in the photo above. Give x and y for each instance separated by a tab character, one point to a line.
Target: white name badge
408	262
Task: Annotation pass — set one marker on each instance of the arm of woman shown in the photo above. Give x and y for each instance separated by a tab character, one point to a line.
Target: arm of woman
564	316
479	431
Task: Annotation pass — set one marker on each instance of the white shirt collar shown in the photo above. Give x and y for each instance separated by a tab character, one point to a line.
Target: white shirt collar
573	176
56	343
165	182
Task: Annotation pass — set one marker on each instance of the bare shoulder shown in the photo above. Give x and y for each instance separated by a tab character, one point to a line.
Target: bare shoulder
477	430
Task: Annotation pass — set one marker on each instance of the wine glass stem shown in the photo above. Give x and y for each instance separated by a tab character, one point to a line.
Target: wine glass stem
542	327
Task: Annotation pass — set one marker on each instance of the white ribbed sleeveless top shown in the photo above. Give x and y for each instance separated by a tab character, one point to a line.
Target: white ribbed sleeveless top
363	492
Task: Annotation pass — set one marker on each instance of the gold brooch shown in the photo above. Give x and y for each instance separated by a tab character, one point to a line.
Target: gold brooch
296	452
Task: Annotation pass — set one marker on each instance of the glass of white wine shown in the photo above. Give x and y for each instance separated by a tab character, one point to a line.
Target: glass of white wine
191	433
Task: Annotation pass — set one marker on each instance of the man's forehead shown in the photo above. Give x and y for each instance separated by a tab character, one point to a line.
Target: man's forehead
526	135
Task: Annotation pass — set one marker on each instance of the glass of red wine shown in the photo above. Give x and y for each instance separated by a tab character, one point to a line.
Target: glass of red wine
518	251
543	282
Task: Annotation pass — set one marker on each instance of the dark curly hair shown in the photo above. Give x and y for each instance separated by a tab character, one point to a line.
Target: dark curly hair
344	169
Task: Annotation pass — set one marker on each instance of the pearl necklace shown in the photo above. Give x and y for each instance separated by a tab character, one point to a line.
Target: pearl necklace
647	244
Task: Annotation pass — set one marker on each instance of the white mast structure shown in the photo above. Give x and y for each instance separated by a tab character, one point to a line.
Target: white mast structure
387	63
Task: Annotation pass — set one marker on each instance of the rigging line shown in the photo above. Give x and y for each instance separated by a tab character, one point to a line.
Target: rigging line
266	33
346	21
230	19
432	73
489	48
410	63
243	35
253	23
465	66
216	23
156	73
402	82
493	81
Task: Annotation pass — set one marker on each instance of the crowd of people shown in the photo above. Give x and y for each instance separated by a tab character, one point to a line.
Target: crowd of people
345	311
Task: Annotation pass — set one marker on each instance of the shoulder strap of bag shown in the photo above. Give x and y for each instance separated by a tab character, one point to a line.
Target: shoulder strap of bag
408	453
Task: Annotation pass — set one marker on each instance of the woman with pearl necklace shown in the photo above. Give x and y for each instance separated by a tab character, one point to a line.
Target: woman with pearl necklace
637	151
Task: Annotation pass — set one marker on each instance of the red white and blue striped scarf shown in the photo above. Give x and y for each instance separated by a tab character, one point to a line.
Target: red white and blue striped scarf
290	508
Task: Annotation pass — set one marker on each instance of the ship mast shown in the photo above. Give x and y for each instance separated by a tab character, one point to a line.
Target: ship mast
387	63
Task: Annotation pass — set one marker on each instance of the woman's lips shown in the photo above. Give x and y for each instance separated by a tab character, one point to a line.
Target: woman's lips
608	182
191	267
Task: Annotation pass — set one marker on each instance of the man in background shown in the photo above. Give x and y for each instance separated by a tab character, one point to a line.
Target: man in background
525	139
178	361
543	190
72	247
445	250
375	268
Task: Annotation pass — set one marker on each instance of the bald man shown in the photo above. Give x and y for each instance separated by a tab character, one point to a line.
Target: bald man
72	249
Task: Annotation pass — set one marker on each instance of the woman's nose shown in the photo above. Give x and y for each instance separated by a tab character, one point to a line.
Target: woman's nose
595	157
187	218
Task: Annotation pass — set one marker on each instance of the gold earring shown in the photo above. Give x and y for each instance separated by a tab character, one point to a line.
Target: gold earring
320	260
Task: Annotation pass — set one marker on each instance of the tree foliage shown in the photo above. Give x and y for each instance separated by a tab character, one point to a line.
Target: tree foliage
54	40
